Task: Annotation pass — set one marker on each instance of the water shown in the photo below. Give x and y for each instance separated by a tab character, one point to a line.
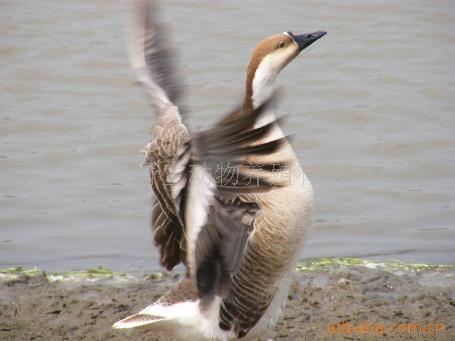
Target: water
372	104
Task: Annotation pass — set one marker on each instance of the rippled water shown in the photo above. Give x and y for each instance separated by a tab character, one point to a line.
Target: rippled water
372	104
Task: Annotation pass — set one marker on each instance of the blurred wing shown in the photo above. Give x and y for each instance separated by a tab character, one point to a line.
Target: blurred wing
151	56
152	60
218	218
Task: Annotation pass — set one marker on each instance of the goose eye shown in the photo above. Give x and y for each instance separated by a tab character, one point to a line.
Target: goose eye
281	44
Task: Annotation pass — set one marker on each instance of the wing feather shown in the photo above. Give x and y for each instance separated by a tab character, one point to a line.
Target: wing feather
152	58
219	222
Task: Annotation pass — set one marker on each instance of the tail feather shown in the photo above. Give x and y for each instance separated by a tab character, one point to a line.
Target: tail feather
162	317
140	320
136	320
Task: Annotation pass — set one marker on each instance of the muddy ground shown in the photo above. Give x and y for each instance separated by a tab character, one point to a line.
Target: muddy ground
37	306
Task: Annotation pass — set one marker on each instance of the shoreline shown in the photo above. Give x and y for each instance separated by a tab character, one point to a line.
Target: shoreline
341	298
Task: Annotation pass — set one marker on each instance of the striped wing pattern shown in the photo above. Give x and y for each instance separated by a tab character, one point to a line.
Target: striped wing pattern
168	228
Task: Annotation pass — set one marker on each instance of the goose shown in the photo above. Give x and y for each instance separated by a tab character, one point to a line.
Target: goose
231	202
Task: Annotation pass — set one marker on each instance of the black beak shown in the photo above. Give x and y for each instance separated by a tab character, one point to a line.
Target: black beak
305	40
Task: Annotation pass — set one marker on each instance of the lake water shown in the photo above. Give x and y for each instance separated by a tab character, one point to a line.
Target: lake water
372	103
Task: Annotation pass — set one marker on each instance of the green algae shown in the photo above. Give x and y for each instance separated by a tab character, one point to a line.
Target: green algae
312	265
325	264
20	271
91	273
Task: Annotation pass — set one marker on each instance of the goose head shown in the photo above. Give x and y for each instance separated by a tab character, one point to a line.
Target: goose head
270	56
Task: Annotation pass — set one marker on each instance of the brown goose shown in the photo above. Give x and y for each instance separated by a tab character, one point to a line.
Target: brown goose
232	202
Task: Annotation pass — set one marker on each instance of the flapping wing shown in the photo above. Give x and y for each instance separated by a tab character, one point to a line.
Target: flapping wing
168	228
152	57
211	201
152	60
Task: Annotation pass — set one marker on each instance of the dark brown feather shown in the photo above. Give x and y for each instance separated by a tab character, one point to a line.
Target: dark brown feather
168	227
222	150
220	245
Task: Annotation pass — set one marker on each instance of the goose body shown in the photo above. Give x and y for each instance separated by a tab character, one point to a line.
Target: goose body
238	230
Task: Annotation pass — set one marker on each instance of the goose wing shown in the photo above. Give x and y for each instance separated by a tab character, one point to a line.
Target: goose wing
211	183
152	57
152	60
